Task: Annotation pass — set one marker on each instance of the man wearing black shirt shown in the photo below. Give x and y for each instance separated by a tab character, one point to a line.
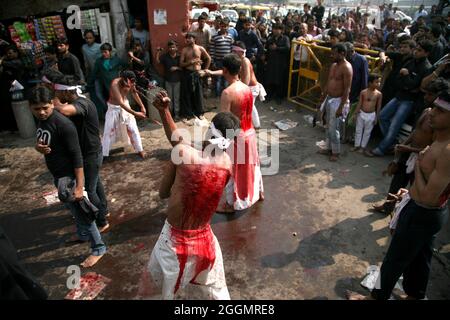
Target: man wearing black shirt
172	74
84	115
318	12
58	141
251	41
68	63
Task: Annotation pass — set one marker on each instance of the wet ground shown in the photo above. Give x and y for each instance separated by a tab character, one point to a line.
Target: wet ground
312	238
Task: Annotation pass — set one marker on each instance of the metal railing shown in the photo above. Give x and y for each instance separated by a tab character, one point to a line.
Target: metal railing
309	71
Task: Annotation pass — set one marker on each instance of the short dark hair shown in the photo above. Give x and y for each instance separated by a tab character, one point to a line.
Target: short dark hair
340	47
233	63
40	94
349	46
278	26
172	43
55	76
444	95
409	43
438	85
248	20
64	41
128	74
224	121
333	33
201	17
106	46
191	35
88	31
436	31
426	45
50	49
373	77
13	48
240	44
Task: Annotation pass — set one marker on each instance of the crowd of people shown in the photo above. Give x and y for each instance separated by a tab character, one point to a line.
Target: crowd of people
245	62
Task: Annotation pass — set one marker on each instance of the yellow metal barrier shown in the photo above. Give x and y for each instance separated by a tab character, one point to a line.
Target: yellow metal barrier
308	75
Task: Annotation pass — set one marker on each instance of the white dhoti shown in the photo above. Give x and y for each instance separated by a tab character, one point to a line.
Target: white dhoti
398	209
411	162
245	186
187	264
257	91
120	126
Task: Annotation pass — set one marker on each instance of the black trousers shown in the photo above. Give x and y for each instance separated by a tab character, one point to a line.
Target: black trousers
94	186
191	95
411	250
401	179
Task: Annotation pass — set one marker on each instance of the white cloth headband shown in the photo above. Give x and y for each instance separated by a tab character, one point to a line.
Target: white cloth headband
238	49
45	79
62	87
441	103
221	142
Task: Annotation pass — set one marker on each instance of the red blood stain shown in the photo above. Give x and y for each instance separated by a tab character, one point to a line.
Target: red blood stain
139	247
204	185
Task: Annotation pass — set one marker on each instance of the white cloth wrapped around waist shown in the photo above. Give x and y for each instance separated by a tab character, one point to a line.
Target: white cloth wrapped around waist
334	105
125	116
259	91
411	162
398	209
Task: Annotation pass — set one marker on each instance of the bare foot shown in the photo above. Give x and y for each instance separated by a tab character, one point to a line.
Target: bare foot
74	239
141	154
334	157
90	261
368	153
354	149
379	208
104	228
351	295
324	152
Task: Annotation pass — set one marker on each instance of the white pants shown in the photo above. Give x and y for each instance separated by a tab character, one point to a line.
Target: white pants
364	125
257	91
184	283
120	126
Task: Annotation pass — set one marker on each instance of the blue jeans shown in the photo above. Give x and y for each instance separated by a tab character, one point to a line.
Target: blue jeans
94	186
221	83
392	118
86	231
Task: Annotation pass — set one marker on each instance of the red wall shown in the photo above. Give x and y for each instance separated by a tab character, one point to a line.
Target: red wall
177	23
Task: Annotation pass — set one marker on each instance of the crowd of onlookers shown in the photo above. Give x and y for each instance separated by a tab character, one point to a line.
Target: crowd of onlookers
267	43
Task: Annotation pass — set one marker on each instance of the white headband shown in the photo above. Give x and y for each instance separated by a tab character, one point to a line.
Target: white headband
441	103
221	142
238	49
45	79
62	87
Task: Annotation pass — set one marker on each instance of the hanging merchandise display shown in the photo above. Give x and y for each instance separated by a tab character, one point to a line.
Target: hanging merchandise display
89	21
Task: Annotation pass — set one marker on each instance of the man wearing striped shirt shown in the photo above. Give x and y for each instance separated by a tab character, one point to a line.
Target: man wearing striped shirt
221	46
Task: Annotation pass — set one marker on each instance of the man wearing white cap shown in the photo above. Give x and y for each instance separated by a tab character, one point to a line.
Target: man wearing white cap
422	213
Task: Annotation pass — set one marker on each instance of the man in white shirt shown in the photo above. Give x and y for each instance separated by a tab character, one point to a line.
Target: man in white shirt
140	33
420	13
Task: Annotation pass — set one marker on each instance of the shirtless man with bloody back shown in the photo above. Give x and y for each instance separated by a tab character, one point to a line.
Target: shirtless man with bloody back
335	99
245	187
187	260
424	212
